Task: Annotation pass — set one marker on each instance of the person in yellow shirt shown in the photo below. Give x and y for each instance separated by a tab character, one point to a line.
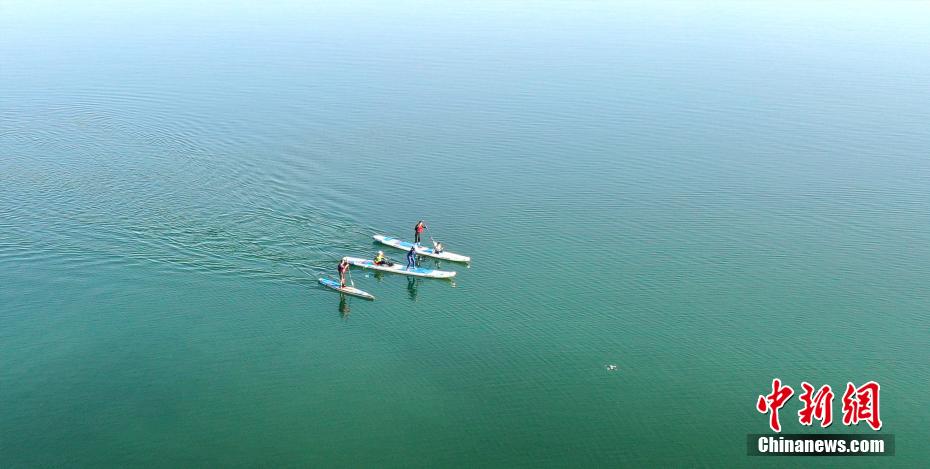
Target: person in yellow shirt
380	259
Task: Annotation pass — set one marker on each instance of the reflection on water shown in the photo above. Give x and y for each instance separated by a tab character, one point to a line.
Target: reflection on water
412	288
344	308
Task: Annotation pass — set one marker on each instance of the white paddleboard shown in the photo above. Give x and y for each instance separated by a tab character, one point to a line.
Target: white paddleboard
421	250
399	268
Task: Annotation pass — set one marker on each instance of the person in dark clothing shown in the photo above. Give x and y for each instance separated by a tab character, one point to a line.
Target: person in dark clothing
412	257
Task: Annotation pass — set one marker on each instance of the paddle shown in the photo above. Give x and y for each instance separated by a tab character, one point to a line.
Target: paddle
431	237
349	271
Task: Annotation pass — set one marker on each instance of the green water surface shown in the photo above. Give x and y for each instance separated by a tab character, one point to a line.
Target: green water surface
707	195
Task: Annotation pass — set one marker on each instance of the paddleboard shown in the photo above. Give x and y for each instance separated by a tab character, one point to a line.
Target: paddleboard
421	250
348	290
399	268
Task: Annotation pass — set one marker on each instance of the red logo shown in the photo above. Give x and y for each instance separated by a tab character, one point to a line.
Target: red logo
773	402
816	406
858	404
862	404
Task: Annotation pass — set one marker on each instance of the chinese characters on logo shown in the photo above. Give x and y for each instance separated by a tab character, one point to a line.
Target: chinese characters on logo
861	404
816	406
858	404
773	402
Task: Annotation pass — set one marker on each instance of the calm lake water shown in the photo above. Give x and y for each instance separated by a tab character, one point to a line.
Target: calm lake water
707	195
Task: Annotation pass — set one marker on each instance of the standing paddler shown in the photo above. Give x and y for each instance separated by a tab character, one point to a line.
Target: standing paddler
412	257
343	268
417	230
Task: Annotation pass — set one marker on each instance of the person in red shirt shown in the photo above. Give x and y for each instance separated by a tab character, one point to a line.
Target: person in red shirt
417	230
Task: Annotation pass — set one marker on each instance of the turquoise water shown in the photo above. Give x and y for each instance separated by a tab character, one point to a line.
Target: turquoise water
706	195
